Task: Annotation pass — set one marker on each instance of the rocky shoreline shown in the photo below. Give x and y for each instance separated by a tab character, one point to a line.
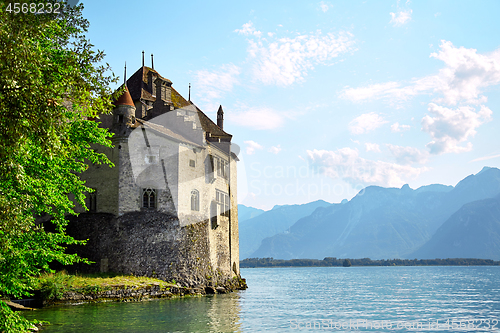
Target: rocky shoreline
144	292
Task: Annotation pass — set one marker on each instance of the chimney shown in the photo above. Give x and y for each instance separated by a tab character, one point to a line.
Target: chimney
220	118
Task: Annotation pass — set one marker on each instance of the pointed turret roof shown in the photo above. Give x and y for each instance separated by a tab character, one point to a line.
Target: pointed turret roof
125	98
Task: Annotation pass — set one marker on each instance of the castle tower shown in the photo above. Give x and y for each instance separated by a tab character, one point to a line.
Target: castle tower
220	118
123	114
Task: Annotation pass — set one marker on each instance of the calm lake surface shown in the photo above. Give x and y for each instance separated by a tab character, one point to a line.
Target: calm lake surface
336	299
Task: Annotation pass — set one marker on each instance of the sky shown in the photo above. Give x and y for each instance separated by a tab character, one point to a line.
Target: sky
324	98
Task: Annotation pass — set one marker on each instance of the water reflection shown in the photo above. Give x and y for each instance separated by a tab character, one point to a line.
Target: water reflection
278	296
217	313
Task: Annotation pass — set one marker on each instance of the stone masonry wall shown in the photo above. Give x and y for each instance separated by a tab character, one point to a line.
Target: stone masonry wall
148	243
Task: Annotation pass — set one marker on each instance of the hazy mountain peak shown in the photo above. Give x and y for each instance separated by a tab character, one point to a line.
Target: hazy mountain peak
486	168
312	203
434	188
485	175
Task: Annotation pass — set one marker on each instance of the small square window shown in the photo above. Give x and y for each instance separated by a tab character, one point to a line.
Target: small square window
151	159
192	163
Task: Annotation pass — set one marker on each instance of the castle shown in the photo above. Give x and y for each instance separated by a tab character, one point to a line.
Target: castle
168	208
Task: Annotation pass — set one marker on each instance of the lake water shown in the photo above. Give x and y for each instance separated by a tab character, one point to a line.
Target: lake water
336	299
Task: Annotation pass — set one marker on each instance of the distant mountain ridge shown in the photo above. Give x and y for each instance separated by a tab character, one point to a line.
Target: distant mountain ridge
383	223
246	213
472	232
269	223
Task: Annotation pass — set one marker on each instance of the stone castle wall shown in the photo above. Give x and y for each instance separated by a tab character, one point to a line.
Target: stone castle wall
151	244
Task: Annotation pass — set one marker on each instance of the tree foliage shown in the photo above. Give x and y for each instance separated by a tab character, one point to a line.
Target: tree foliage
51	82
335	262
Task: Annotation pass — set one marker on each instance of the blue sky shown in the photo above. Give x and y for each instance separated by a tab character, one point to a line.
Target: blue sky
325	98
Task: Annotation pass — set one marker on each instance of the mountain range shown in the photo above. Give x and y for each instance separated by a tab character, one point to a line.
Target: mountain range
266	224
434	221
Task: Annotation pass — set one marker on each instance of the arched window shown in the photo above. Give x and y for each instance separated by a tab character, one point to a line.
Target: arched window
195	200
92	206
148	198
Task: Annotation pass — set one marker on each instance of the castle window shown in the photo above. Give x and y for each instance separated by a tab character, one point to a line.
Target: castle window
224	171
222	200
148	198
92	202
195	200
220	167
211	168
214	214
120	118
151	159
192	163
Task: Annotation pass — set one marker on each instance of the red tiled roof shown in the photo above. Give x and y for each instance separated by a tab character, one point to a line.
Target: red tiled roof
125	98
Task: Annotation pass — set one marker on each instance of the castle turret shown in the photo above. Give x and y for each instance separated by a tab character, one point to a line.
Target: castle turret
220	118
123	113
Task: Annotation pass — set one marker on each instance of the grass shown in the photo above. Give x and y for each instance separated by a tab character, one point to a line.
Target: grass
52	286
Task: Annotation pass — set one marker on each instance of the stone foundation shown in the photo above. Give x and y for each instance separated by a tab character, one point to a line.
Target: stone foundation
149	243
141	293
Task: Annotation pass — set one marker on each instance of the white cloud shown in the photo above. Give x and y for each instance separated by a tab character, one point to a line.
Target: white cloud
484	158
283	61
345	163
408	155
396	127
324	6
371	91
262	118
212	85
400	18
275	149
462	79
466	73
252	146
365	123
450	127
248	29
372	147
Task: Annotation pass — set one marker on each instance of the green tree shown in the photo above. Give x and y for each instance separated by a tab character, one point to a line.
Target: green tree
346	263
51	81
